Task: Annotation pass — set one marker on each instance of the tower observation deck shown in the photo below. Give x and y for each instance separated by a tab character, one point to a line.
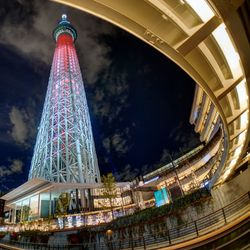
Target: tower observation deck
65	149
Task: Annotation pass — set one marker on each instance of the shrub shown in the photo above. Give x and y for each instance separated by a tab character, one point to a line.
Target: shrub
195	198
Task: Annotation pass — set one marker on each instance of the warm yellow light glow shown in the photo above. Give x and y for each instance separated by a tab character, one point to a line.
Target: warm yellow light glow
242	94
244	120
242	137
237	152
161	5
168	13
229	168
231	165
226	174
202	8
222	38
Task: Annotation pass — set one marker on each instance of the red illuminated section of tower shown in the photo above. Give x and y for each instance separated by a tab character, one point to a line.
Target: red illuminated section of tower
65	150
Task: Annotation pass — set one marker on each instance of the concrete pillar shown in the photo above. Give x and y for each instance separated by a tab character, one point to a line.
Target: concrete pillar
50	204
90	201
138	199
83	198
39	205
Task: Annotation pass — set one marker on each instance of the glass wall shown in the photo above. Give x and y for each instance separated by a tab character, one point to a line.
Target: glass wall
44	204
34	208
25	210
61	202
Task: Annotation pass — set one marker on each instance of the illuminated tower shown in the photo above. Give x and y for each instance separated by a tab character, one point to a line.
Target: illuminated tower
65	150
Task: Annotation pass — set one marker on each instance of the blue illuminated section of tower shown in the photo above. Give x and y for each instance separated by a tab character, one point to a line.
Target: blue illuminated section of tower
65	149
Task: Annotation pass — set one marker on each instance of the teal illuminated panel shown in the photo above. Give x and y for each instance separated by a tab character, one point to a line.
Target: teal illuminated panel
161	197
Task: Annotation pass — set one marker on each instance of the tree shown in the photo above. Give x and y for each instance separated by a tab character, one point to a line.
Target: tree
109	190
62	204
25	213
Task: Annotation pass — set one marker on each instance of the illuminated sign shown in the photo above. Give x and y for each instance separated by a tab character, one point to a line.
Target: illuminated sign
153	179
161	197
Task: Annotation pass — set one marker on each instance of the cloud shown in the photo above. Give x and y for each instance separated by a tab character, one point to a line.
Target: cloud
15	167
27	26
23	125
128	174
182	135
118	142
145	169
165	157
111	95
19	130
107	144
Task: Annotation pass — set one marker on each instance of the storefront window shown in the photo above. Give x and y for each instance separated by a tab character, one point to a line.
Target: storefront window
44	205
25	210
33	214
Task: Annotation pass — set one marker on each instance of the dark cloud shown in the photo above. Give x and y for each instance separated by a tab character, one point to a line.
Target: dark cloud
127	174
19	130
117	142
23	125
27	27
182	137
15	167
110	95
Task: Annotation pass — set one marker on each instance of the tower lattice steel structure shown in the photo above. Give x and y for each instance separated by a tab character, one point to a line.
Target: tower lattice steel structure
65	150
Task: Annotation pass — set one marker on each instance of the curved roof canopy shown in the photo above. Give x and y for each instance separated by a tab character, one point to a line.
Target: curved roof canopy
208	40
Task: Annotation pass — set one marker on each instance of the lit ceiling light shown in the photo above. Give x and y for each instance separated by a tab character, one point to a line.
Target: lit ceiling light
242	93
244	120
226	174
232	163
222	38
229	168
238	151
202	8
242	137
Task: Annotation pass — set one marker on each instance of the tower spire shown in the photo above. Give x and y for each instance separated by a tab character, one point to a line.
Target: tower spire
65	150
64	18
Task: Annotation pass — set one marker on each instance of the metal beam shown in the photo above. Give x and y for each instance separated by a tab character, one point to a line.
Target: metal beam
237	114
227	90
199	36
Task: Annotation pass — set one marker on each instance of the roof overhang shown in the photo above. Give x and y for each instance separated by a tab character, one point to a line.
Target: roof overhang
36	186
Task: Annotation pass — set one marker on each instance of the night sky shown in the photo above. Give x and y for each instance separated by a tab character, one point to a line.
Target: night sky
139	100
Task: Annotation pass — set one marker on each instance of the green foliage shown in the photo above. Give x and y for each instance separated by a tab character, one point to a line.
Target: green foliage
49	219
2	234
151	214
109	186
109	189
25	212
62	204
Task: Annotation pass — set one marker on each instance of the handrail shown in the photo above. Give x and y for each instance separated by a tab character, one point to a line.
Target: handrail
169	236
